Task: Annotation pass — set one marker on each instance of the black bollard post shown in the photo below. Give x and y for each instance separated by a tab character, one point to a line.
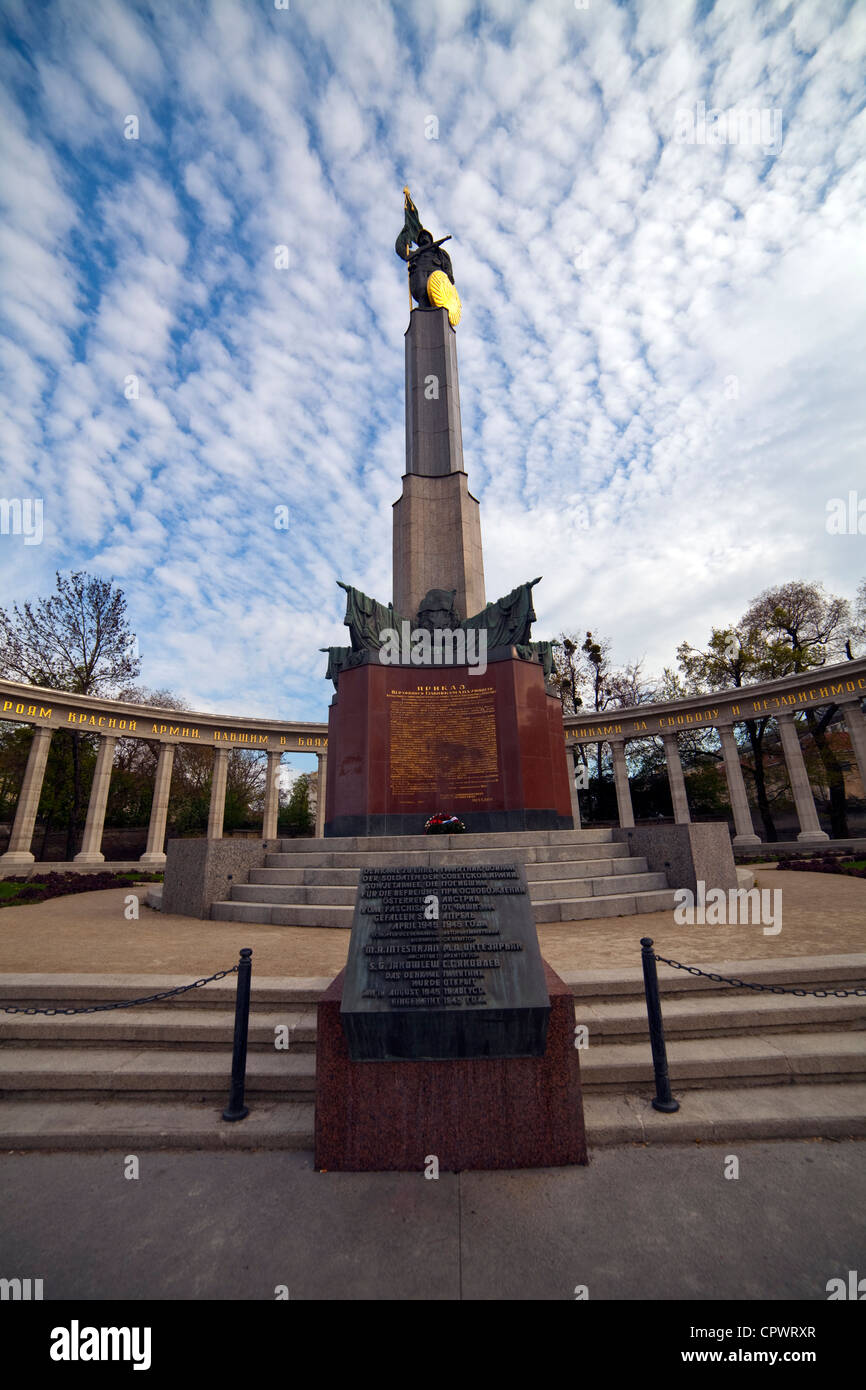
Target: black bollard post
236	1110
663	1100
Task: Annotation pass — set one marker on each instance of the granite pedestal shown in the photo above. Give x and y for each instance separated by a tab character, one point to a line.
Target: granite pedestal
406	741
476	1113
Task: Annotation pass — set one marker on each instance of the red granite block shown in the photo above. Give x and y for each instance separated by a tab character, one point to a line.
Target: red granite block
528	775
502	1112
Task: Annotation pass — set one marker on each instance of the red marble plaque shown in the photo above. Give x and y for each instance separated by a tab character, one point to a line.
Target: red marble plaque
406	741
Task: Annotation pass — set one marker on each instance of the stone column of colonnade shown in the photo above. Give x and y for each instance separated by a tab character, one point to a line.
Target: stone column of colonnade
856	726
745	832
321	786
154	855
623	790
217	811
91	845
676	779
19	855
272	796
571	749
810	828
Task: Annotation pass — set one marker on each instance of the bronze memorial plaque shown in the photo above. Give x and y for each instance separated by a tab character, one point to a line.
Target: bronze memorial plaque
444	963
443	745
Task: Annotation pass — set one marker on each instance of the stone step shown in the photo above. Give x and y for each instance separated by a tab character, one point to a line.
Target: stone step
728	1062
168	1027
348	878
574	909
85	990
609	905
63	1123
281	915
294	895
34	1071
609	987
309	877
377	844
812	1111
719	1015
607	885
734	1061
587	868
844	972
363	859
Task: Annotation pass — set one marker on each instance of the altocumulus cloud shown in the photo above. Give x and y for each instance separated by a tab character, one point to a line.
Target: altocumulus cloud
661	351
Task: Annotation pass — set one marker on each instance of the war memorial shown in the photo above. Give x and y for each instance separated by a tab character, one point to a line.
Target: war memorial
446	1032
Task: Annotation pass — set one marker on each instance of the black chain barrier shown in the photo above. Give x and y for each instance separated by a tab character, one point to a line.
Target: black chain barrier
235	1110
765	989
663	1099
125	1003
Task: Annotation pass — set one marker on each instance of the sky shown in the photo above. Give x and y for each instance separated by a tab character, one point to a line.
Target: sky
661	354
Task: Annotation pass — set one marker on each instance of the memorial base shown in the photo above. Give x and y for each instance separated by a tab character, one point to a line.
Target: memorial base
406	741
474	1113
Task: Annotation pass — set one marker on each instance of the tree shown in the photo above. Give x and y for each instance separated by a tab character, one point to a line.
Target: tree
585	679
858	626
297	818
803	628
734	657
77	640
791	628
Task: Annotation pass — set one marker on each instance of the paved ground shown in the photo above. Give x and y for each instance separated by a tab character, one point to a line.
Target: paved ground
822	914
637	1223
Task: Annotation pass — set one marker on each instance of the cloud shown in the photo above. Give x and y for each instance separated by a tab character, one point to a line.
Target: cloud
660	357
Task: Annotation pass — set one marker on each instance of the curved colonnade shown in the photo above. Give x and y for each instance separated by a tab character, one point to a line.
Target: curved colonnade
47	710
113	719
843	685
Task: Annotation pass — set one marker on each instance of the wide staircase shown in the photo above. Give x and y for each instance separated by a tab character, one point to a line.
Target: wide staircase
572	875
743	1065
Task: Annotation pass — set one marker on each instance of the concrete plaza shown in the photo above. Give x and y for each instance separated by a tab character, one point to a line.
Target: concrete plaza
637	1223
87	933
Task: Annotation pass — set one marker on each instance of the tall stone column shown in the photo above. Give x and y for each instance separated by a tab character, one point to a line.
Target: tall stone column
677	781
572	772
623	790
91	845
321	784
218	794
437	525
737	788
856	726
154	855
18	855
272	796
810	826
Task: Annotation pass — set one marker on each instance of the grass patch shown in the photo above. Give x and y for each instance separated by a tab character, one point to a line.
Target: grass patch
9	890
